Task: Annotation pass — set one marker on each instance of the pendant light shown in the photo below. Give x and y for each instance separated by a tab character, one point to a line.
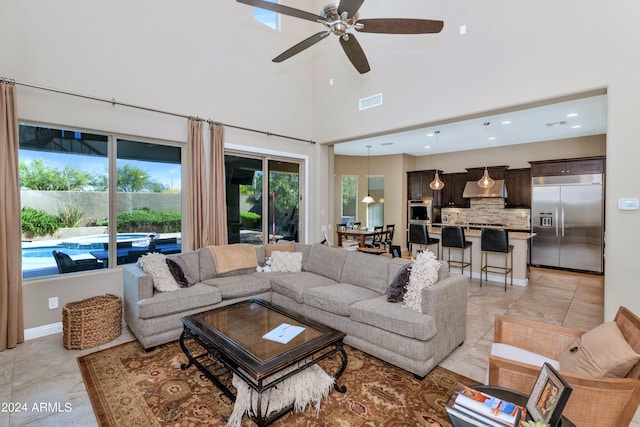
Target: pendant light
437	183
486	181
368	199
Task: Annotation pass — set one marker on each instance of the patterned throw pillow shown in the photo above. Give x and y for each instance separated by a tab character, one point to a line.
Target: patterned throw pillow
286	261
398	287
155	264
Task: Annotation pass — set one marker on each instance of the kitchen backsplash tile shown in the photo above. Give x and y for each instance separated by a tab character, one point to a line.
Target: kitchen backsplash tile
488	211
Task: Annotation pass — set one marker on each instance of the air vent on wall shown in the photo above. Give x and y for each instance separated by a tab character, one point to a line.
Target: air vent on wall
370	101
553	124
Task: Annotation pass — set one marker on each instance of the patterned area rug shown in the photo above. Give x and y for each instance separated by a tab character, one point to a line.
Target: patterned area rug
130	387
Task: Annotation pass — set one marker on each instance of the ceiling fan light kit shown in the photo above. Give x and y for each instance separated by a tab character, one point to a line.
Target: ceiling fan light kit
339	19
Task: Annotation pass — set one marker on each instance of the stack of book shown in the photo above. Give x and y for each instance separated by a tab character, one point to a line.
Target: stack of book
475	408
350	244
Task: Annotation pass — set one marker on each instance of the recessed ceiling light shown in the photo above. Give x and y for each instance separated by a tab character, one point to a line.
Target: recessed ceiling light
427	147
491	138
506	122
572	115
430	134
576	126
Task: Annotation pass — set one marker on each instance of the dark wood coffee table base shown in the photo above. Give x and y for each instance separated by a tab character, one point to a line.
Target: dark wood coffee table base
203	362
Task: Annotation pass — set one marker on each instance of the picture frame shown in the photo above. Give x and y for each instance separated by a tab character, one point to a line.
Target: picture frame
549	396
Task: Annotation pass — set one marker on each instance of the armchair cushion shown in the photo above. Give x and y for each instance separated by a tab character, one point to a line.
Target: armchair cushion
600	352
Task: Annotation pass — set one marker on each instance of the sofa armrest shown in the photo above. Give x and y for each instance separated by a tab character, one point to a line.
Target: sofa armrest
138	285
542	338
446	302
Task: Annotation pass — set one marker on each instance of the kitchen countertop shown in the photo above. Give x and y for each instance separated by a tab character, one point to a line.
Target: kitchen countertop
516	235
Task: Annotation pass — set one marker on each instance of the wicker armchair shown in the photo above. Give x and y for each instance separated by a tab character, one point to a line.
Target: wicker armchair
593	401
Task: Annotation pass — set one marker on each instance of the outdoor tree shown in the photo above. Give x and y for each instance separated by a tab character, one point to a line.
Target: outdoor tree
37	175
130	179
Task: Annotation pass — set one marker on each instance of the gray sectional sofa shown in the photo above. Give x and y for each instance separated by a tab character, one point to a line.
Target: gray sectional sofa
343	289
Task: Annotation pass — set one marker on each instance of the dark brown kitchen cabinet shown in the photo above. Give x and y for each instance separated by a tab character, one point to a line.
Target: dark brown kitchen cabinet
418	186
518	182
453	188
568	167
495	172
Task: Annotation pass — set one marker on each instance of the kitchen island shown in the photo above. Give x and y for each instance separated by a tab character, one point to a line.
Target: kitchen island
518	239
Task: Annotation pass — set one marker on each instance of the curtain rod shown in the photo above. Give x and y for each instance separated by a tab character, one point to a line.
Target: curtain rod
113	102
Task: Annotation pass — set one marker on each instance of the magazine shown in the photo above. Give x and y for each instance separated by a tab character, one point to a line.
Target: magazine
283	333
481	409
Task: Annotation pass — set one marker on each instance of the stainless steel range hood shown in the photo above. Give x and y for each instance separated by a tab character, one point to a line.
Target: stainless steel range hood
473	190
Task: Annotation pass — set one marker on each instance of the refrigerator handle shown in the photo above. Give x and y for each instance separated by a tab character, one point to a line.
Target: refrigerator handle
556	219
562	217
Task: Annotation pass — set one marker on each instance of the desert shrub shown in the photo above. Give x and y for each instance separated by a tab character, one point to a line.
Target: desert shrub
72	215
36	222
250	220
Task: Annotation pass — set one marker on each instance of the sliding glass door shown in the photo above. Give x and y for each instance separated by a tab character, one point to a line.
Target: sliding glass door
258	210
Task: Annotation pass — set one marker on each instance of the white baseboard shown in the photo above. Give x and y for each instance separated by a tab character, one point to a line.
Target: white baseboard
42	331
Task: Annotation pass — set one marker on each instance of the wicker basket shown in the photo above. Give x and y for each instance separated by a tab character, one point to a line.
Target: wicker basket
91	322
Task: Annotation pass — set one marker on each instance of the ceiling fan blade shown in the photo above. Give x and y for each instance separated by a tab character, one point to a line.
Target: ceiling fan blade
400	26
355	53
285	10
304	44
349	6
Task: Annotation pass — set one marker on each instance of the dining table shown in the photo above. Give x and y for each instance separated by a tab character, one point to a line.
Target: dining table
359	234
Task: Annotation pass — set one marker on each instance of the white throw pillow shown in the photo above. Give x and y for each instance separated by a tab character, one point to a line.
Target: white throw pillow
424	274
286	261
155	264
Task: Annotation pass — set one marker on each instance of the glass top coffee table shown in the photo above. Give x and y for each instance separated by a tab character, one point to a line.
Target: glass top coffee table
233	335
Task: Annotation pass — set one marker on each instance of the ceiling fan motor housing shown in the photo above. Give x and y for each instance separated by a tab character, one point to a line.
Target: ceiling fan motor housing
338	25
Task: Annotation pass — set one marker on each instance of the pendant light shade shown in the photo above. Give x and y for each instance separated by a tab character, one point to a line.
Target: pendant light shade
368	199
437	183
486	181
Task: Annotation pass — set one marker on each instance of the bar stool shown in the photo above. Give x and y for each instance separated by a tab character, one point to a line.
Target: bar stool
419	234
453	238
496	241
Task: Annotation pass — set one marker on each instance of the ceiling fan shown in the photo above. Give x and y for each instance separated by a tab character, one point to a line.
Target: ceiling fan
339	19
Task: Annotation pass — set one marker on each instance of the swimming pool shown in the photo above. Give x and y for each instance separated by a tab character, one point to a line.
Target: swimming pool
39	254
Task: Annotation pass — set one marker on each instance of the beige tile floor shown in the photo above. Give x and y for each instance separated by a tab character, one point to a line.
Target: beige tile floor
42	371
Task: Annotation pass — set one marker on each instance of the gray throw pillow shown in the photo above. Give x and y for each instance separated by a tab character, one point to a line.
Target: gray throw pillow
180	271
398	287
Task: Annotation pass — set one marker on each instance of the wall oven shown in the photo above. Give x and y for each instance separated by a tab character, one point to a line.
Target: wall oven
419	211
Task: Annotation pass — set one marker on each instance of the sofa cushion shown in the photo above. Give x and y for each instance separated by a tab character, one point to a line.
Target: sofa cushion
337	298
326	261
192	261
305	249
162	304
293	285
241	286
393	318
286	261
600	352
366	270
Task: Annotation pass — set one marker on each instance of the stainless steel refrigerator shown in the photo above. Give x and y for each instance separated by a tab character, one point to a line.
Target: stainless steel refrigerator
567	215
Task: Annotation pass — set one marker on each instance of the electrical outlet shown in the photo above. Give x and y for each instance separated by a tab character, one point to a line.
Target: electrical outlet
53	303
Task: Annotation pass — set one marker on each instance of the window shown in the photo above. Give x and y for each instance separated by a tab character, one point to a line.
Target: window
249	195
267	17
349	199
375	211
68	186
